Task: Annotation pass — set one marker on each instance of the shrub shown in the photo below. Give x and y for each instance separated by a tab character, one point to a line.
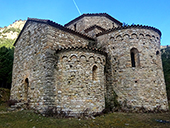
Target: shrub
4	95
56	112
11	102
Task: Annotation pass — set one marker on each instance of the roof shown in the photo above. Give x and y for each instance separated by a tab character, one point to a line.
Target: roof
56	25
94	26
131	26
94	14
86	48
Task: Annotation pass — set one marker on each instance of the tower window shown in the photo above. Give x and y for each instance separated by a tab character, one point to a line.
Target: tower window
75	25
26	81
133	59
135	62
94	73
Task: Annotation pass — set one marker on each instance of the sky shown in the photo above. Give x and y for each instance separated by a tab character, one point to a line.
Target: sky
155	13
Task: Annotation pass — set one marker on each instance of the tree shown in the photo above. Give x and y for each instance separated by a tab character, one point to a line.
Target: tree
6	63
166	68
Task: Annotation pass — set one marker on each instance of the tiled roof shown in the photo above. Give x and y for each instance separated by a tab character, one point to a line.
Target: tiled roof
56	25
94	14
94	26
131	26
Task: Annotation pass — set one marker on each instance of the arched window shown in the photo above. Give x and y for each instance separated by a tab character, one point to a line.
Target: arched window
26	85
94	73
157	52
133	59
134	53
26	81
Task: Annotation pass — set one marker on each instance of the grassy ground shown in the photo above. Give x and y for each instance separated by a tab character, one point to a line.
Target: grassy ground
28	119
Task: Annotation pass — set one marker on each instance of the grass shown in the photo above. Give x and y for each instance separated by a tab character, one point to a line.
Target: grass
28	119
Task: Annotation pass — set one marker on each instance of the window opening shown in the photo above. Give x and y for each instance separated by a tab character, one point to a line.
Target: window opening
133	59
135	62
157	52
94	73
75	25
113	25
26	80
26	85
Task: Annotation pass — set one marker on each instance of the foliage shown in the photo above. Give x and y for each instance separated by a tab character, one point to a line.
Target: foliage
8	43
55	112
11	102
7	30
124	24
6	63
166	68
4	95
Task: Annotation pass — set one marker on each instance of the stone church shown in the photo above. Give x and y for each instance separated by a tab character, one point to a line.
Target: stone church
92	62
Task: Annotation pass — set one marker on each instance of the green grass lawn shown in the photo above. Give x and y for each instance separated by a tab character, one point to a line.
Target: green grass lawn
28	119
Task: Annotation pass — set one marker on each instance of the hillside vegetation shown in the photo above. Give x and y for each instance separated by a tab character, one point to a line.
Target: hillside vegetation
8	36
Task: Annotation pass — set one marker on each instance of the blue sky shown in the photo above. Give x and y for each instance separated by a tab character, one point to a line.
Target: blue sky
155	13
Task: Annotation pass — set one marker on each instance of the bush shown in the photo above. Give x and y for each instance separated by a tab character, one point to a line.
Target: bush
11	29
56	112
4	95
11	102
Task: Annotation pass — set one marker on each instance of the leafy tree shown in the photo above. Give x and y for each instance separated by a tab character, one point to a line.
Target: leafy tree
6	42
6	63
166	68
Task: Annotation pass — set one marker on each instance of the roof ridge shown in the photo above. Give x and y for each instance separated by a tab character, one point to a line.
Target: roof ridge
93	14
130	26
68	29
54	24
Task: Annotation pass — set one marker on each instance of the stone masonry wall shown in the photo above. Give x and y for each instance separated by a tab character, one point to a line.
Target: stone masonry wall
80	84
58	39
140	86
89	21
34	61
29	66
93	32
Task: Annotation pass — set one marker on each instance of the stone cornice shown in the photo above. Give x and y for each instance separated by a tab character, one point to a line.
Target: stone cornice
87	48
127	27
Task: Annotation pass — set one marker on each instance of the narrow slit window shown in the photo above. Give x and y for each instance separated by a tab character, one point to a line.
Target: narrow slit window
75	25
26	85
94	73
26	81
135	61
